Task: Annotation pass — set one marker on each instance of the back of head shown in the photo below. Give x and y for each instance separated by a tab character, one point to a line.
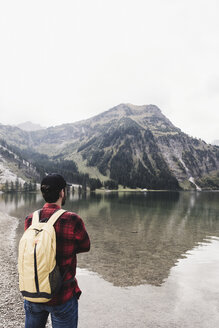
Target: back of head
51	185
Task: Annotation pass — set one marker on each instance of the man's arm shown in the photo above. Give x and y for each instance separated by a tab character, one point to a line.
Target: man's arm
81	237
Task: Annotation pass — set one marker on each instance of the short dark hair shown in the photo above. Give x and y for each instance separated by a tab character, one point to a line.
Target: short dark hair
51	185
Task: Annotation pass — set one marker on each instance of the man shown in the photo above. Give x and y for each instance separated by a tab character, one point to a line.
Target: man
71	239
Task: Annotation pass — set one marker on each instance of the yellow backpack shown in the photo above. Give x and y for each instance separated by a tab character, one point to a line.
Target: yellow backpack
39	275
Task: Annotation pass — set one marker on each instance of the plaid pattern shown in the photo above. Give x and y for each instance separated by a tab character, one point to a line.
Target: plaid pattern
71	239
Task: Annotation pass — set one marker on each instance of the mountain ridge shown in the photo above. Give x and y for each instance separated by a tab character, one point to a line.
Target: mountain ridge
137	146
29	126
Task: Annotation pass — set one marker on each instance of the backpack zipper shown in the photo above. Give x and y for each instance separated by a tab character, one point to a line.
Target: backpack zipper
35	270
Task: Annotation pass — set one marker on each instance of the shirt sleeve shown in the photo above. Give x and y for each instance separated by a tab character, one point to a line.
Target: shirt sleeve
27	222
81	237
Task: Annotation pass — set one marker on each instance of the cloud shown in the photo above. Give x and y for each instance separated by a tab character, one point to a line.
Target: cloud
62	62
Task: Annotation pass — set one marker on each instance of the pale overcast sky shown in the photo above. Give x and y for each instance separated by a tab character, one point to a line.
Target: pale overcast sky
63	61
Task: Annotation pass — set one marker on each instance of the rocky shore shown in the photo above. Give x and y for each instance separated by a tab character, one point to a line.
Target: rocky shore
11	302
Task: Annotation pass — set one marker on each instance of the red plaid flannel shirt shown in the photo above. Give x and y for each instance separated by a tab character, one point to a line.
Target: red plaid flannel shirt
71	238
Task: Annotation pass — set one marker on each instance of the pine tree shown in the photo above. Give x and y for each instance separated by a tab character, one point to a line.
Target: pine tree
17	185
35	186
25	187
6	186
12	189
30	186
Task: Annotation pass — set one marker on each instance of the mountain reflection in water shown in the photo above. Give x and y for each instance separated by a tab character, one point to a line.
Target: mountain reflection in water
136	237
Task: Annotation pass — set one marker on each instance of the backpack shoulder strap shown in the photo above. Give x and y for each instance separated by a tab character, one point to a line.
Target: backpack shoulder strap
52	220
54	217
36	217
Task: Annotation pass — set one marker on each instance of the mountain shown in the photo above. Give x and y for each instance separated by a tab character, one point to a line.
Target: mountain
136	146
29	126
14	169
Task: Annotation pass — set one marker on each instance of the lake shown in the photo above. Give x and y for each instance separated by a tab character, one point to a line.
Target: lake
154	260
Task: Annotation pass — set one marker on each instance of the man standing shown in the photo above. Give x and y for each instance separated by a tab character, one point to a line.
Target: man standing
71	239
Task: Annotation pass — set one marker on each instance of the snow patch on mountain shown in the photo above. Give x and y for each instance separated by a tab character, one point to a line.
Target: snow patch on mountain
192	180
6	174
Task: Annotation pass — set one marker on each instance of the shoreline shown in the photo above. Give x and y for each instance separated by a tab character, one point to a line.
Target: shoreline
11	301
102	191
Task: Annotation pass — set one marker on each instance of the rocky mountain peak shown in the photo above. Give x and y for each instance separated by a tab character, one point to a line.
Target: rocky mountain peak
136	146
130	109
29	126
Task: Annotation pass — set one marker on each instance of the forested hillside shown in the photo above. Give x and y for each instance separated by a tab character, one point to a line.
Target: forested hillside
134	146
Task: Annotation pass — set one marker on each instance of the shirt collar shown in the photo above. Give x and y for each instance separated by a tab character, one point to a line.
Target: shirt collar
51	205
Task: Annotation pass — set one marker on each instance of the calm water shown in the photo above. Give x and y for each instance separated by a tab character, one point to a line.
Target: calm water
137	238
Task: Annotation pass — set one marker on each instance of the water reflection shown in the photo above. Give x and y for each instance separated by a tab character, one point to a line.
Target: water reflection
136	238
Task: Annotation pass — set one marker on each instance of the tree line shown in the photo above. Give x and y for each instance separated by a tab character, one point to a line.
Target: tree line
17	186
43	165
